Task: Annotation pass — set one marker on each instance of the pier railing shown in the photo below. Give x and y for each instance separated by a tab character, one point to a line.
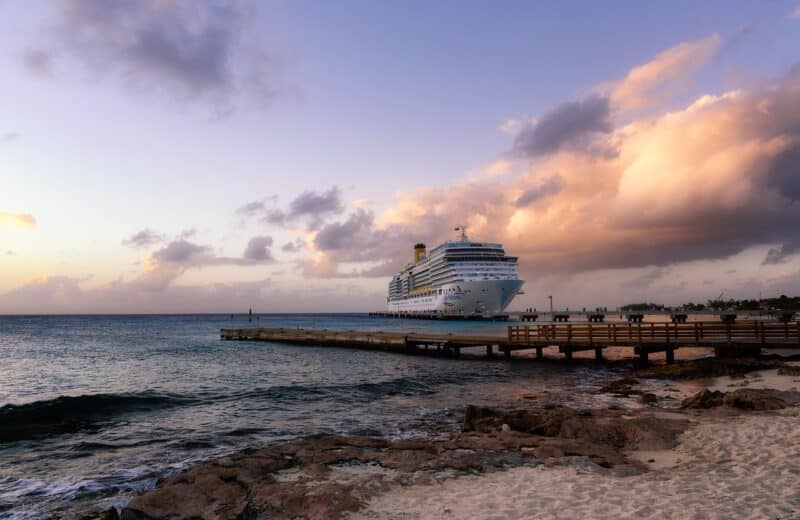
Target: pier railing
763	333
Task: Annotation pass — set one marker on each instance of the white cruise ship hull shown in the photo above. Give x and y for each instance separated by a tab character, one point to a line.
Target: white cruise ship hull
484	297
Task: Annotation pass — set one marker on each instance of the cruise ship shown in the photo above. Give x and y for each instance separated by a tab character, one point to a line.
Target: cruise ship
458	278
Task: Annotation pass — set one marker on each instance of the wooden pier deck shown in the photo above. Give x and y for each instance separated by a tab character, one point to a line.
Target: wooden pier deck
727	339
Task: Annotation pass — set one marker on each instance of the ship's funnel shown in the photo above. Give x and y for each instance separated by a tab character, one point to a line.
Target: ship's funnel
419	252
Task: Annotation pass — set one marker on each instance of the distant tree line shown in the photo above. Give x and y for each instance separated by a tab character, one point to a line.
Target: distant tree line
642	307
782	302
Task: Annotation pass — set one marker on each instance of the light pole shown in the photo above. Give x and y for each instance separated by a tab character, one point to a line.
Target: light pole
551	306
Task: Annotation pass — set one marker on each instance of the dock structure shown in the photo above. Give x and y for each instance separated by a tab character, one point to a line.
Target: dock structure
409	343
434	315
726	338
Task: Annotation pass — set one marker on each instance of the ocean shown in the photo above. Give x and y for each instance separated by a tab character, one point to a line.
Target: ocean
96	408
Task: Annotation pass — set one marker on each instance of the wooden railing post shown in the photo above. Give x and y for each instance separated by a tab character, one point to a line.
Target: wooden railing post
591	342
728	330
614	326
510	334
569	333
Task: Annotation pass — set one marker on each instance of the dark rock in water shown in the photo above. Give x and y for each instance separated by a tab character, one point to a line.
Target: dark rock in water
743	398
709	367
97	514
479	418
604	427
704	399
789	370
621	387
755	399
303	479
648	398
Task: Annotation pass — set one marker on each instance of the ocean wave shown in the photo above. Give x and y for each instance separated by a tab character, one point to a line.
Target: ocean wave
69	414
363	391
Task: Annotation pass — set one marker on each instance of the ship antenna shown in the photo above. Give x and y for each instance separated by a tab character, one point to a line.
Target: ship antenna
463	230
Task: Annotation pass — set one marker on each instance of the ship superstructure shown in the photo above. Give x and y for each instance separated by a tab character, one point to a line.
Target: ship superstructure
461	277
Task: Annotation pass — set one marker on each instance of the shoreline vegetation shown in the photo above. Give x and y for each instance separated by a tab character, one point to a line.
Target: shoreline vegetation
779	303
704	437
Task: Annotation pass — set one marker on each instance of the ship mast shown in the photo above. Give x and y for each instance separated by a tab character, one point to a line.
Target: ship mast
463	229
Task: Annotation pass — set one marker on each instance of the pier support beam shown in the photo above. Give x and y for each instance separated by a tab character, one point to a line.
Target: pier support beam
507	353
568	353
598	354
489	353
539	353
670	356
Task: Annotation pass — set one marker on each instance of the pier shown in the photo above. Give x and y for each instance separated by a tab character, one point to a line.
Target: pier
726	338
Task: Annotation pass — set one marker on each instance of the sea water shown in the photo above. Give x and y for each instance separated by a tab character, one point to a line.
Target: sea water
96	408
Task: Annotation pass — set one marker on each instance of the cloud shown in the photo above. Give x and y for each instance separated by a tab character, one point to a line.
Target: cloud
310	207
547	188
345	235
580	125
257	249
645	280
569	125
17	220
143	238
38	62
702	181
9	137
781	254
796	13
499	167
670	72
182	251
187	50
294	247
316	205
358	240
511	126
169	262
251	208
184	254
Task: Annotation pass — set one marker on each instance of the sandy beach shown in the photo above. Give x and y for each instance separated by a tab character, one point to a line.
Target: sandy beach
727	465
736	467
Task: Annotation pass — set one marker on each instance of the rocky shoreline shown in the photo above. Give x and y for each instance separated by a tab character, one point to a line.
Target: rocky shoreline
335	476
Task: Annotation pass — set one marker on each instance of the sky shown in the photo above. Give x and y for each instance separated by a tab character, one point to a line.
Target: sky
184	156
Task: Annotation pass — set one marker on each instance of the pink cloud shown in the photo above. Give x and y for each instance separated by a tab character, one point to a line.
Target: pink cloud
18	220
